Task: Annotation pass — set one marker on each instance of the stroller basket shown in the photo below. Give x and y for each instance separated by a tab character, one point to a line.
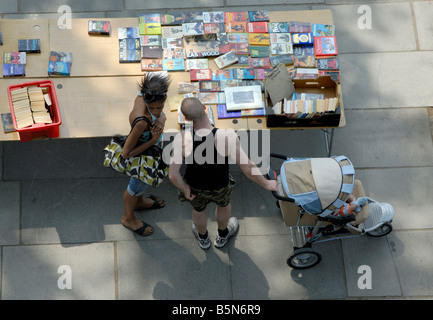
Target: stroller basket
318	185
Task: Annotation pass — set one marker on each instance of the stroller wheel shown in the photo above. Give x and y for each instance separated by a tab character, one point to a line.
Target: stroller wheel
304	258
383	230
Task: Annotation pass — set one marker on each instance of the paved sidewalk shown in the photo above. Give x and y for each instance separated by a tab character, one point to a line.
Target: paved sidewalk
60	216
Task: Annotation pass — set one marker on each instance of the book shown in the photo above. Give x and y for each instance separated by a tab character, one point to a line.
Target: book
173	64
303	50
257	27
307	73
202	63
210	97
149	28
239	37
188	87
151	52
205	45
327	64
325	46
170	42
149	18
151	64
173	53
239	98
29	45
13	70
253	112
305	61
235	16
213	16
307	96
150	40
98	27
299	26
214	27
239	48
130	50
181	17
200	74
193	28
286	59
260	51
226	59
281	48
280	37
15	57
222	112
8	125
302	38
243	60
320	30
60	63
334	74
260	39
172	32
210	85
222	74
236	26
175	101
223	44
277	27
258	15
263	63
128	33
260	74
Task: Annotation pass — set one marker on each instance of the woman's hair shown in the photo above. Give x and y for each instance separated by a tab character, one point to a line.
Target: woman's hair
154	87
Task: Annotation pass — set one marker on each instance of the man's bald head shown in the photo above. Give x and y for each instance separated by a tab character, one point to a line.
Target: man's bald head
192	109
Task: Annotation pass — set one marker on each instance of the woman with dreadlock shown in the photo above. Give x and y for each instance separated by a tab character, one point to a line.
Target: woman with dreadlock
149	103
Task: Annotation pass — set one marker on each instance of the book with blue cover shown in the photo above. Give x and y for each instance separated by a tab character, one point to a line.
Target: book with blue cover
14	70
130	50
173	64
29	45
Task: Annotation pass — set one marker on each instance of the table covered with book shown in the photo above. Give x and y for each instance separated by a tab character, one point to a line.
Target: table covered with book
222	58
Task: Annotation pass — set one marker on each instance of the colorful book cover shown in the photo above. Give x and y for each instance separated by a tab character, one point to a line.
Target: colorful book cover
305	61
327	64
286	59
29	45
209	97
214	27
151	52
253	112
222	112
173	53
260	39
264	63
299	26
60	63
149	18
222	74
130	50
13	70
260	51
172	32
258	15
99	27
193	28
260	74
226	59
8	124
278	27
197	64
303	50
173	64
149	28
188	87
210	85
248	74
325	46
224	46
240	37
151	64
236	26
321	30
201	45
213	16
61	68
302	38
168	43
200	74
240	48
15	57
128	33
150	40
235	16
281	48
280	37
257	27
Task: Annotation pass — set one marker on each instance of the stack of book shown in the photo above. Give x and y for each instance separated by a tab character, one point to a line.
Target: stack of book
59	63
14	64
37	105
314	108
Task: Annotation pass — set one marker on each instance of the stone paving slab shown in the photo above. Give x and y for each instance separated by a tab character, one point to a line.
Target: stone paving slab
10	213
32	272
423	12
385	138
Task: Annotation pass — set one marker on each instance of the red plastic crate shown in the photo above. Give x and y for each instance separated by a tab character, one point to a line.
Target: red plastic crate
50	130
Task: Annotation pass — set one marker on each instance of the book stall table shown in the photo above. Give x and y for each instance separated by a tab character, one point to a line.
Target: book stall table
95	100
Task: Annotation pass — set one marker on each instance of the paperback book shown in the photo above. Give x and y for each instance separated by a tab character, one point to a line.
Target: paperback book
302	38
260	51
149	28
188	87
222	74
170	42
193	28
14	57
213	16
197	64
258	15
278	27
200	74
60	63
320	30
98	27
128	33
226	59
150	40
305	61
240	37
29	45
173	64
214	27
263	63
235	16
172	32
239	48
325	46
149	18
205	45
281	48
327	64
280	37
181	17
210	86
299	26
236	26
151	64
257	27
286	59
151	52
130	50
13	70
259	39
173	53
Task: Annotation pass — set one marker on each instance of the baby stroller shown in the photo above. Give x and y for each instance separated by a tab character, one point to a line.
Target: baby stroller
310	190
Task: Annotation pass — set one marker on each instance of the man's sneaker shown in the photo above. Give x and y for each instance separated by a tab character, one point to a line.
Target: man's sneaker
232	227
204	243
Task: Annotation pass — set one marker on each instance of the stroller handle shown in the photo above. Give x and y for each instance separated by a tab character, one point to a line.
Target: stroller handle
274	177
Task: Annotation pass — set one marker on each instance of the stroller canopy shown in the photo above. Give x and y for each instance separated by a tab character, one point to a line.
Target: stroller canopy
318	185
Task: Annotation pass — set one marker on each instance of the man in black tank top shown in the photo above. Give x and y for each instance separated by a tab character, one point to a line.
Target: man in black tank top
206	151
